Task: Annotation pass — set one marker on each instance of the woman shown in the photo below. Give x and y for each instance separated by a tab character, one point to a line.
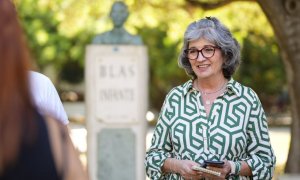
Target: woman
31	146
211	117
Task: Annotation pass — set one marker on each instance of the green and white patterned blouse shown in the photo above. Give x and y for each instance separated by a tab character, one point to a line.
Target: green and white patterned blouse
236	129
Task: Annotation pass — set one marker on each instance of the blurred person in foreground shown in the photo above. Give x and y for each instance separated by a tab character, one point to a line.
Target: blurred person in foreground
212	116
46	98
31	146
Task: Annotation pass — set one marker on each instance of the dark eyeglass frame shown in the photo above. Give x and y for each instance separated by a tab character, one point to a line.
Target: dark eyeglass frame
200	51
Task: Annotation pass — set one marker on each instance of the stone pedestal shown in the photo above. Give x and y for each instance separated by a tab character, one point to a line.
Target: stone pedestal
116	78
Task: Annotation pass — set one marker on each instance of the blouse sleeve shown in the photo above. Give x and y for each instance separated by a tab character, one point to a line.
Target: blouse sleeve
161	146
261	156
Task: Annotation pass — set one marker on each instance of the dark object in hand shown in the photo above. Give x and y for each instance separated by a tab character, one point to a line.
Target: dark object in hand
213	163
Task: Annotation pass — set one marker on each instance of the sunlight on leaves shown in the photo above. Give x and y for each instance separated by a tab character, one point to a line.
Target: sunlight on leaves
42	37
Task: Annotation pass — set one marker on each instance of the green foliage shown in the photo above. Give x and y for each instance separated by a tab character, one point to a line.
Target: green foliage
262	68
72	72
164	71
49	45
59	30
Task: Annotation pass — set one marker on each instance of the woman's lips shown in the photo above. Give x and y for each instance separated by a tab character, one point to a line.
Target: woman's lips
203	66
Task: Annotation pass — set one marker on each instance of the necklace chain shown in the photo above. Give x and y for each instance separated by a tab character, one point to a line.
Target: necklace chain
206	93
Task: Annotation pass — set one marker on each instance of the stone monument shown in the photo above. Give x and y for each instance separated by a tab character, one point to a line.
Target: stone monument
116	78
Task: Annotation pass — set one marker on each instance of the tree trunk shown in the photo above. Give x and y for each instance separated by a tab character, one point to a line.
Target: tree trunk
284	15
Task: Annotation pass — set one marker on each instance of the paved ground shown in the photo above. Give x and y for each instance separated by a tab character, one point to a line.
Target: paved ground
280	140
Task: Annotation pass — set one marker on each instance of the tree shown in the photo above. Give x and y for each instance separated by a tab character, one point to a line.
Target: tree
260	64
284	16
53	42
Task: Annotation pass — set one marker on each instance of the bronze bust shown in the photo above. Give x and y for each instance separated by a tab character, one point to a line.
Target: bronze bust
118	35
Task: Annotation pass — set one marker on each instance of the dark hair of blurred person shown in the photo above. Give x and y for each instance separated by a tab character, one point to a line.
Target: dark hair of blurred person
31	146
15	102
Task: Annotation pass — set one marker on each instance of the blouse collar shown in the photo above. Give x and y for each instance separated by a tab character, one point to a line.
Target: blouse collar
233	87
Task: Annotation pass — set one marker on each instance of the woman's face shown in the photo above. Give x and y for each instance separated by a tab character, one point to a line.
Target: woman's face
208	67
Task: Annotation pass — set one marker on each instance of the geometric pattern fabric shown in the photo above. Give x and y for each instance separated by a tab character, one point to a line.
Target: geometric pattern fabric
236	129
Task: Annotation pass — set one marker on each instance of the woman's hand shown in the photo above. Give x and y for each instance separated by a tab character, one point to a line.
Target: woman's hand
224	170
184	168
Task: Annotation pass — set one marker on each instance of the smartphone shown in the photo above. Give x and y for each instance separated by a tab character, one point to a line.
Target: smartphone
213	163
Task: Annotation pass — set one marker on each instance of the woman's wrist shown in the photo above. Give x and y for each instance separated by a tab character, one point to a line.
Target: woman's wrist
238	167
173	165
232	167
235	167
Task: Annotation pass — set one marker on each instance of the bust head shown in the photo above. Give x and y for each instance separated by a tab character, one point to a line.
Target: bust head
119	13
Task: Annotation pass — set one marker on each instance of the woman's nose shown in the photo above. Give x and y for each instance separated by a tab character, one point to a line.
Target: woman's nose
200	57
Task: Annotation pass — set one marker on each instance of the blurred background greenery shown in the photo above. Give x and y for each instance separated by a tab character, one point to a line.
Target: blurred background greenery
59	30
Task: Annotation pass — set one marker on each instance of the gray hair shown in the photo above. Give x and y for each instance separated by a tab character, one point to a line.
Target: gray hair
211	29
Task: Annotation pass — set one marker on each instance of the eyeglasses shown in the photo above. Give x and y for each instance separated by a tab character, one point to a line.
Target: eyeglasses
207	52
